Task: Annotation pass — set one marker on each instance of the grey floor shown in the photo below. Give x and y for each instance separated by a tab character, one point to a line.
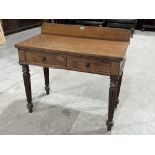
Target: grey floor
78	103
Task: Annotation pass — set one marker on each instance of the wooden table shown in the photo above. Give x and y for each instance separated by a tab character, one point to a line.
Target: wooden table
88	49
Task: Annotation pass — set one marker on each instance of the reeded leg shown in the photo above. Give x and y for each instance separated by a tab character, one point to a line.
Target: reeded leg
27	84
112	100
118	89
46	76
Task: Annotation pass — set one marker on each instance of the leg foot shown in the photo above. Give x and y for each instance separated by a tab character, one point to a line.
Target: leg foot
109	125
30	107
27	84
46	77
47	89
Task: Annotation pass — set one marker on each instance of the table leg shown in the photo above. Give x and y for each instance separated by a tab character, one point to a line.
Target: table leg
118	89
27	84
112	100
46	76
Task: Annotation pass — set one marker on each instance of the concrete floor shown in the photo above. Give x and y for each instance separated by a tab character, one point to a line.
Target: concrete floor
78	102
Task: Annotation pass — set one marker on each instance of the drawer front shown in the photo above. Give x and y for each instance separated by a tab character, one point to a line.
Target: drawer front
88	65
45	58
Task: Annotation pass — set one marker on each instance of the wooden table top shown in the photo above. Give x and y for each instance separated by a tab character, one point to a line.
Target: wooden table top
97	47
93	41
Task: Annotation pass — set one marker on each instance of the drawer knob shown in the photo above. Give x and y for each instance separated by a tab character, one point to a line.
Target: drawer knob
87	64
44	58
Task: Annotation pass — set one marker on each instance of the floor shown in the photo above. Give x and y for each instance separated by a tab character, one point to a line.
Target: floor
77	103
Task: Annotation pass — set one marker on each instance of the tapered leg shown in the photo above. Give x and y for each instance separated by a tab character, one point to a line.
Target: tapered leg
46	76
112	100
118	89
27	84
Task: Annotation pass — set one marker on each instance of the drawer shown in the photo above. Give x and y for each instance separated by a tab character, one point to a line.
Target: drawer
45	58
88	65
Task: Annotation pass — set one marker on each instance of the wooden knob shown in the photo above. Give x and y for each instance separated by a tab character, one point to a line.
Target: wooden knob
87	64
44	58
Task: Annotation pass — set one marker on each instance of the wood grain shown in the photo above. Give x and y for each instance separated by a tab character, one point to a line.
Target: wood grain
51	59
89	49
88	65
86	31
74	45
21	54
112	100
27	84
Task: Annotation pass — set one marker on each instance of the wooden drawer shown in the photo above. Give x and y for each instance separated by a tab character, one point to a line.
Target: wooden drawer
45	58
88	65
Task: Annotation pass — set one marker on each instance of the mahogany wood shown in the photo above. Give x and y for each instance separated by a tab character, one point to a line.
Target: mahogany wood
27	83
86	31
46	76
45	58
88	65
118	89
89	49
74	45
112	100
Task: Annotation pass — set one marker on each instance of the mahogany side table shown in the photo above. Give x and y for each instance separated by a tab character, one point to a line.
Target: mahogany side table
88	49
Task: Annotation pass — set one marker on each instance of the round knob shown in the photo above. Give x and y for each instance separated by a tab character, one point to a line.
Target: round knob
87	64
44	58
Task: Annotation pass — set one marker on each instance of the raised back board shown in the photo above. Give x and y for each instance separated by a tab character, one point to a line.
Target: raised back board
86	31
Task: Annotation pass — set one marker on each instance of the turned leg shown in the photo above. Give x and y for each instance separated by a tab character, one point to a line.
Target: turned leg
112	100
27	84
118	89
46	76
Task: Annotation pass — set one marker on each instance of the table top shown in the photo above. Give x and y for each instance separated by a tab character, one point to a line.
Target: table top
77	45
